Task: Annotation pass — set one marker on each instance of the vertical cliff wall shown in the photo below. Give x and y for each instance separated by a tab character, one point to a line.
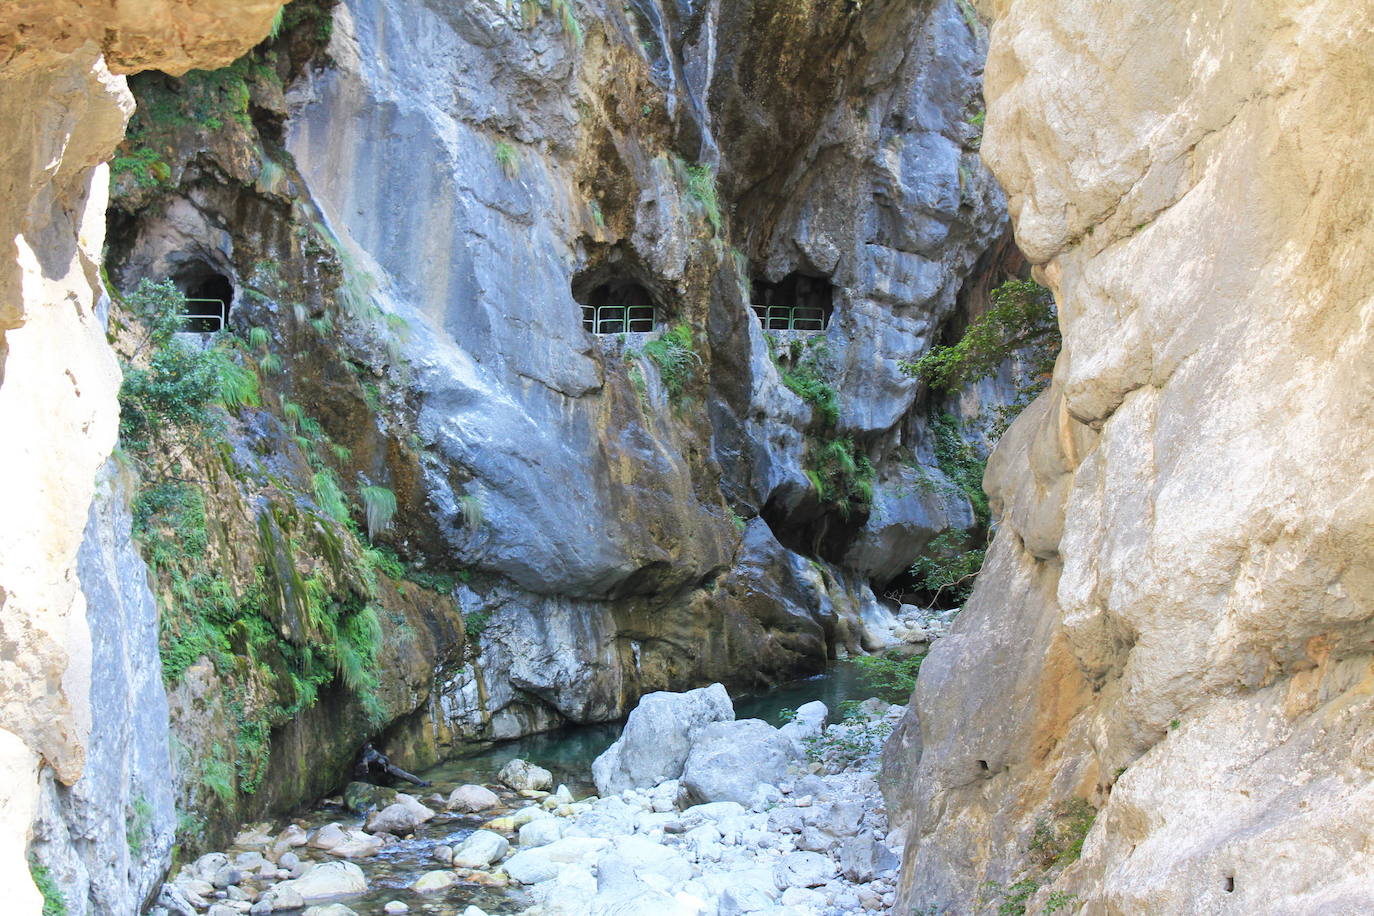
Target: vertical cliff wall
412	203
65	110
1174	624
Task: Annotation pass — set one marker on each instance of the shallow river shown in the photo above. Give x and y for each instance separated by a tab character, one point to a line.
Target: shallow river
568	753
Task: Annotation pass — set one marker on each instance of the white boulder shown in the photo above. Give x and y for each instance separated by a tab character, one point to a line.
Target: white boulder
658	738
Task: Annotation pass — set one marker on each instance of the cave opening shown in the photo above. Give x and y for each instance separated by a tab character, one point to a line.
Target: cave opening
618	306
798	302
209	295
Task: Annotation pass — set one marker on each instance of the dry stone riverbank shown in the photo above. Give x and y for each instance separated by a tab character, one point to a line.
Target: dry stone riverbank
696	814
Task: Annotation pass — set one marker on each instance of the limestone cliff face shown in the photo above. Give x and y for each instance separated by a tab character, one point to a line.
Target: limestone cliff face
1174	621
65	112
412	226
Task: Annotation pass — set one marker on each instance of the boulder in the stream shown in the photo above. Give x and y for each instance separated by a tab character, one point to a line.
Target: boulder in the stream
480	849
530	866
330	909
326	881
399	818
471	799
362	797
523	775
431	882
328	836
730	760
541	832
658	738
357	844
282	897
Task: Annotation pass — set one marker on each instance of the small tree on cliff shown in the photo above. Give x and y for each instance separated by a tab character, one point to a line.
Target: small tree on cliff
1021	321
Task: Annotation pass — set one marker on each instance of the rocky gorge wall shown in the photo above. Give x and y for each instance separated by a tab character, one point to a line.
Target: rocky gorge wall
1178	593
408	200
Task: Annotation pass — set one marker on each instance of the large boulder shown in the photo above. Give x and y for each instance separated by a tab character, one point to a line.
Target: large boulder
471	799
803	869
541	832
531	866
399	818
432	882
807	724
326	882
730	760
658	737
521	775
480	849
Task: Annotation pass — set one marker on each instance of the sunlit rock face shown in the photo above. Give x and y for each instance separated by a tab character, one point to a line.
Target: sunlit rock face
65	111
482	170
1174	619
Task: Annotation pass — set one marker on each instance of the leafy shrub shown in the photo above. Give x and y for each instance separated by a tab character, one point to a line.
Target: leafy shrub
1021	318
893	675
1011	901
144	164
948	570
1058	840
474	623
961	464
175	393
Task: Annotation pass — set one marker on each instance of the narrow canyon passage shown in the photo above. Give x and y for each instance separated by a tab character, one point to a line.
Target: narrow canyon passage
875	457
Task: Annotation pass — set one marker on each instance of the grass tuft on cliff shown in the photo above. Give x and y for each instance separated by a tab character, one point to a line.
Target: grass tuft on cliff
675	357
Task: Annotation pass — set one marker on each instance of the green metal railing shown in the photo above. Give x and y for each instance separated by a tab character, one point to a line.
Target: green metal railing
790	317
203	316
617	319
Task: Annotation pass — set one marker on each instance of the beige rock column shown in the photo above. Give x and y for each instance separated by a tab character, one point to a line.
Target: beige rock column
1177	619
63	113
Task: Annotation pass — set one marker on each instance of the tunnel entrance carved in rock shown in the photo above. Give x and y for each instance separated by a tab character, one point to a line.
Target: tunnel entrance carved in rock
209	295
798	302
619	307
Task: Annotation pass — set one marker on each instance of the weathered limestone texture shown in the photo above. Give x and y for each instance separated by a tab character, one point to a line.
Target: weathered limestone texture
64	113
1174	620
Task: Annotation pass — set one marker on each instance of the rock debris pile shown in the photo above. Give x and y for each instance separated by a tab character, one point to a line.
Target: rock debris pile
700	815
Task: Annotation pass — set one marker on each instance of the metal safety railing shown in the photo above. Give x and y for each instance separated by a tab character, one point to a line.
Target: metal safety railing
203	316
617	319
790	317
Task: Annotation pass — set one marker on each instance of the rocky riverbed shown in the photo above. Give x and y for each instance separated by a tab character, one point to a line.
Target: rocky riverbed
697	814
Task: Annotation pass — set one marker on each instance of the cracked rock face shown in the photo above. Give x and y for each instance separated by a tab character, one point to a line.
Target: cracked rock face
1173	620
